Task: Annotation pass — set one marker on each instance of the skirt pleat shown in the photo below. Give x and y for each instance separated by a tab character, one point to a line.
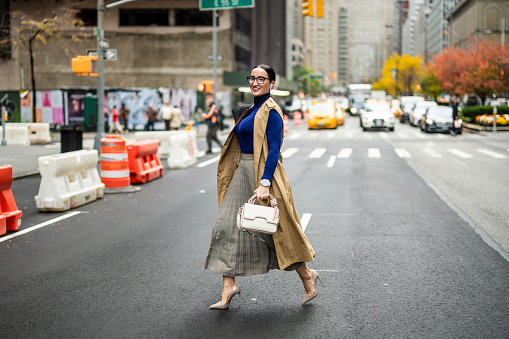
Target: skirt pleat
232	252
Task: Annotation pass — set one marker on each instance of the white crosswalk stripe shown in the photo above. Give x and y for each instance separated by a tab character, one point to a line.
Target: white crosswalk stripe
420	135
331	135
332	160
289	152
374	153
349	135
432	152
383	135
402	153
491	153
294	136
344	153
317	153
459	153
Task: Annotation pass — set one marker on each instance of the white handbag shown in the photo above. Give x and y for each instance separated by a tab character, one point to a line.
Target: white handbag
258	218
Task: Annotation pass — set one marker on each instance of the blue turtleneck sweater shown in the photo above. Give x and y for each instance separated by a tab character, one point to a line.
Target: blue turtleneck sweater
274	132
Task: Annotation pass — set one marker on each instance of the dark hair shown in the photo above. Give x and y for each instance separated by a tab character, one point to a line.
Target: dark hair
269	70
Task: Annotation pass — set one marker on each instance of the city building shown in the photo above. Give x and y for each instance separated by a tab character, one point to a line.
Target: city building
158	43
482	19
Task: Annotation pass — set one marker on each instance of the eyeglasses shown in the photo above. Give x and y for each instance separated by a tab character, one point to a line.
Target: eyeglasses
259	80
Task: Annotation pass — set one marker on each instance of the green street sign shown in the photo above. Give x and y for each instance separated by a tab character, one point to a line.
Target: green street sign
316	76
208	5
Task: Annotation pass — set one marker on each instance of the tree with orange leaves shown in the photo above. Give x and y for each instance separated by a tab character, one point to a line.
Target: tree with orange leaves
480	68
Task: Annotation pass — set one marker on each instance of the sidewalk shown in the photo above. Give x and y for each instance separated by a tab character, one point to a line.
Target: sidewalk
24	160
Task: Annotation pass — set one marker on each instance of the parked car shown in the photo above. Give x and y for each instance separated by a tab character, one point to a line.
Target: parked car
438	119
406	104
322	114
415	116
377	115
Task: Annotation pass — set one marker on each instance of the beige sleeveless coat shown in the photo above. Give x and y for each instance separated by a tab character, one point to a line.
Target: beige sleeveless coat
291	244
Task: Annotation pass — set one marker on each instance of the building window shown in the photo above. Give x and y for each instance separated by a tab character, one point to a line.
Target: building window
193	17
88	16
144	17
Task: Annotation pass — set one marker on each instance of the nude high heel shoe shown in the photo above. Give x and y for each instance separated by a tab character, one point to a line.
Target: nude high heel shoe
221	306
309	297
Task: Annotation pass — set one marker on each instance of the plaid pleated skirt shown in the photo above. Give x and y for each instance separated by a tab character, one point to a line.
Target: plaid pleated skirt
232	252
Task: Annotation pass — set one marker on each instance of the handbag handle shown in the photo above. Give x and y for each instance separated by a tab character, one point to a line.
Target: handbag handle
272	201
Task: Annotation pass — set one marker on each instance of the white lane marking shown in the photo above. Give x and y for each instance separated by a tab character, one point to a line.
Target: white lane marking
330	135
317	153
491	153
402	135
208	162
367	135
312	136
345	153
441	136
331	161
33	228
289	152
459	153
402	153
304	221
383	135
374	153
433	153
420	135
294	136
350	136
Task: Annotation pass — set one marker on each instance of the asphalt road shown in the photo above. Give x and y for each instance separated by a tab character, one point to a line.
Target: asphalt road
396	259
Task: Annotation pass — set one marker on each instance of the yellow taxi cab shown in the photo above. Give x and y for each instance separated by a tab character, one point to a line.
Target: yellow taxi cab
322	114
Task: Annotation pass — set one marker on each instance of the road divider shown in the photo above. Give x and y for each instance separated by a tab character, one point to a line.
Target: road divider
10	216
38	132
144	163
179	147
16	135
68	180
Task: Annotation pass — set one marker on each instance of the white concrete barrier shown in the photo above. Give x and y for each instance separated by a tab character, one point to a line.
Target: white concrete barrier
179	147
15	135
164	141
68	180
183	150
38	133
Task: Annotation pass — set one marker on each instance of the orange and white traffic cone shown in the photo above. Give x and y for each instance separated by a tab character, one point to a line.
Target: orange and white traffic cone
297	116
285	123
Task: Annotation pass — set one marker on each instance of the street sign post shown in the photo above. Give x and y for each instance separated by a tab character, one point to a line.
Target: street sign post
108	54
208	5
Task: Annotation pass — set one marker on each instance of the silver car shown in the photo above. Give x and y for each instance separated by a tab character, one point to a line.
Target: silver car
418	111
377	115
439	119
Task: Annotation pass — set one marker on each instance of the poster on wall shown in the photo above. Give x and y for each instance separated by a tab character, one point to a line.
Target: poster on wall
25	100
50	107
75	107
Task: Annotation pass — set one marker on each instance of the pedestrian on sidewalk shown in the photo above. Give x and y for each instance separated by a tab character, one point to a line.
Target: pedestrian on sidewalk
210	119
151	117
124	116
177	118
455	115
115	126
197	117
250	163
165	113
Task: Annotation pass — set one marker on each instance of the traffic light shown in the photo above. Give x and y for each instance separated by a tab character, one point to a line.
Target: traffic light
85	65
307	7
206	86
319	8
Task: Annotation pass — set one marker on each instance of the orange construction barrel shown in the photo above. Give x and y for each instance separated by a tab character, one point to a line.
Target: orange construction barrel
114	162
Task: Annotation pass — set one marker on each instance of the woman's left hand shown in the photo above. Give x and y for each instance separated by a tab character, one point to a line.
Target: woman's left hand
262	193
